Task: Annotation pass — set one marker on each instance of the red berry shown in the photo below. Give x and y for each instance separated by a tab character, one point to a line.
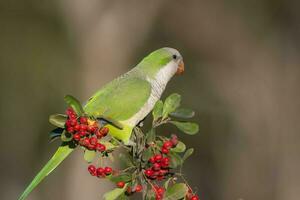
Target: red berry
83	120
156	166
91	146
73	116
82	133
148	172
69	111
91	129
160	190
165	150
120	184
100	172
165	160
73	122
100	147
152	160
98	134
174	140
167	144
195	197
158	157
93	140
70	129
77	127
76	136
68	123
108	170
86	141
83	127
138	188
128	191
92	170
158	197
104	131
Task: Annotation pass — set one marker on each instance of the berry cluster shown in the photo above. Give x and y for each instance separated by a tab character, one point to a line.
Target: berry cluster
159	167
99	172
159	163
85	131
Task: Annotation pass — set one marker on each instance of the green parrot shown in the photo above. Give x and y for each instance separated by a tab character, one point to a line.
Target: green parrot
128	99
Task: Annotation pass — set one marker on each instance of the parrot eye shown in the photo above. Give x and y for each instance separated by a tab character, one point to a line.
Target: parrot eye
175	56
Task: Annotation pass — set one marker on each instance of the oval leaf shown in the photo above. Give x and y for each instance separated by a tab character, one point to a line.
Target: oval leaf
58	120
158	110
89	155
74	103
187	154
171	104
175	160
187	127
115	193
180	147
184	113
175	192
126	177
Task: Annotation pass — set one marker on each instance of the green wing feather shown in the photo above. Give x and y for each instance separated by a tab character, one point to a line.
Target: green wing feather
61	153
120	99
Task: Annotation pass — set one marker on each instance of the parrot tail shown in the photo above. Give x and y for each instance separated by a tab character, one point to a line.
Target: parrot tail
61	153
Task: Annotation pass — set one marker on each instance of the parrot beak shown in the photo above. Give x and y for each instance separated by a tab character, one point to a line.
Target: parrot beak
180	68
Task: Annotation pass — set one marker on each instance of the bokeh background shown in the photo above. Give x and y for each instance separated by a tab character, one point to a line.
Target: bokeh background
242	77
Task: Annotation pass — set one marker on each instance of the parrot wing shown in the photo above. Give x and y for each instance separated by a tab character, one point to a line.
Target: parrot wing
121	99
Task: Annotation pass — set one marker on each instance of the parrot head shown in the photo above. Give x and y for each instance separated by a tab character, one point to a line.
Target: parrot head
163	62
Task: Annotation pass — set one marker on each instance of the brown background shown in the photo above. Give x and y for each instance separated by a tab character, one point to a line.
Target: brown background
242	77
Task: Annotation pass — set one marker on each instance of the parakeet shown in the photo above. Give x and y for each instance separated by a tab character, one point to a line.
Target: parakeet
128	99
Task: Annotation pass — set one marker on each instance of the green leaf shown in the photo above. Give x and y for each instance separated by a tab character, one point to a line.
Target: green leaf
61	153
147	154
55	133
175	192
171	104
58	120
89	155
184	113
66	136
123	197
187	127
175	161
126	177
157	110
187	154
115	193
180	147
150	136
75	104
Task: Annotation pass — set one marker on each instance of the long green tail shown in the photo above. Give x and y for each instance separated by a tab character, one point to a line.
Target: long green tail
61	153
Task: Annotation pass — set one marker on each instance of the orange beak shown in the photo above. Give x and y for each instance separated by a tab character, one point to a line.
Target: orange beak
180	68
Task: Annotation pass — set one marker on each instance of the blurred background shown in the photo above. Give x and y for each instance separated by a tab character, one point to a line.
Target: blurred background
242	77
